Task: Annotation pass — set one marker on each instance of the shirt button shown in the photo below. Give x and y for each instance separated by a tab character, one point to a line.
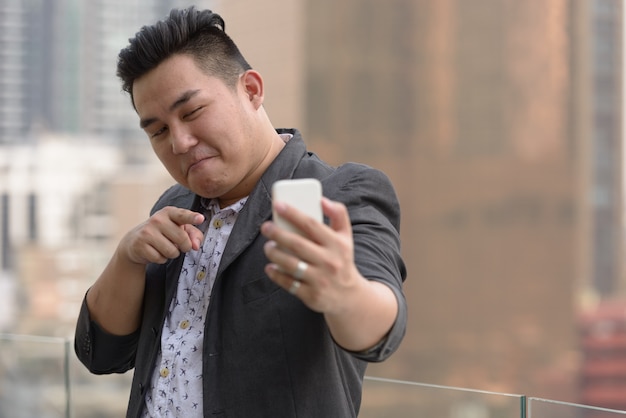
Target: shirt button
201	275
218	223
164	372
184	324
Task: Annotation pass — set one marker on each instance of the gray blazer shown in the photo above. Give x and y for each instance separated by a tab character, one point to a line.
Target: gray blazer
265	353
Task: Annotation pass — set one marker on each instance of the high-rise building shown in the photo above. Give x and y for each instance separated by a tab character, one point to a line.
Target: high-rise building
603	375
606	106
13	79
57	66
487	117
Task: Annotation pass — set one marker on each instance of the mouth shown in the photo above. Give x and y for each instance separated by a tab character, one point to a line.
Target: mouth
197	163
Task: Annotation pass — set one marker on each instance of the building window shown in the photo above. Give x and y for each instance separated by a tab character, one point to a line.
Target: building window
5	242
32	217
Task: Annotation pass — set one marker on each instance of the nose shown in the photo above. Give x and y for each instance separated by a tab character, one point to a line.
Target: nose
182	141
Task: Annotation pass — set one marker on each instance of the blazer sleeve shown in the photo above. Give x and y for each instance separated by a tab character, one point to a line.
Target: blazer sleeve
104	353
375	216
101	352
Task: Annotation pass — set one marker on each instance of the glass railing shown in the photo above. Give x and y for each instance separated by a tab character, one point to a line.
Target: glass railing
41	377
546	408
34	377
393	398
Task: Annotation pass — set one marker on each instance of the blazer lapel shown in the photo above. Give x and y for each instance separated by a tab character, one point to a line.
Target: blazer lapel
257	210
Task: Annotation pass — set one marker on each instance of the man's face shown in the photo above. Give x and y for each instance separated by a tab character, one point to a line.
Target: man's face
202	130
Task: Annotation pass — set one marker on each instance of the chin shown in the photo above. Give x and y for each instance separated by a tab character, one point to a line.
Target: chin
206	192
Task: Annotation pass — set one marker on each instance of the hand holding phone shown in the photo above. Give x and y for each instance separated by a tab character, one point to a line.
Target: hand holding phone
303	194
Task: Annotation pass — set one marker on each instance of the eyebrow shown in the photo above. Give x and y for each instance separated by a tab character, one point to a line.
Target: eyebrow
182	99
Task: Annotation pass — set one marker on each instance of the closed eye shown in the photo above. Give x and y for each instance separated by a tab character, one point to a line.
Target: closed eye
159	132
187	115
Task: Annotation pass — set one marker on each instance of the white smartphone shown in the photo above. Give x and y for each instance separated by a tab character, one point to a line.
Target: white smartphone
303	194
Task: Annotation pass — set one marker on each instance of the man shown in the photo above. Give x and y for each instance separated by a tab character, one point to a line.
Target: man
220	311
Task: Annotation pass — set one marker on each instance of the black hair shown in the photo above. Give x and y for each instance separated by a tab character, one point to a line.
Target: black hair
198	33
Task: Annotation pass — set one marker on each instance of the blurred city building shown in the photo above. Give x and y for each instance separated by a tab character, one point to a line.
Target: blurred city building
603	326
605	48
603	373
57	65
500	124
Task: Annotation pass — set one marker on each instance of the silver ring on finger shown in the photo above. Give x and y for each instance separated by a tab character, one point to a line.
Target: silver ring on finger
295	286
300	270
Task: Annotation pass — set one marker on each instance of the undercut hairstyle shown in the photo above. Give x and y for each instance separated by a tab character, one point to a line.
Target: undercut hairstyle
197	33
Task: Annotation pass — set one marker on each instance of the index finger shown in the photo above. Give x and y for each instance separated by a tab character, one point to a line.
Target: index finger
337	214
181	216
185	221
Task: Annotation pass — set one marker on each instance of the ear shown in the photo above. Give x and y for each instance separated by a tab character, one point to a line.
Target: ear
252	84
